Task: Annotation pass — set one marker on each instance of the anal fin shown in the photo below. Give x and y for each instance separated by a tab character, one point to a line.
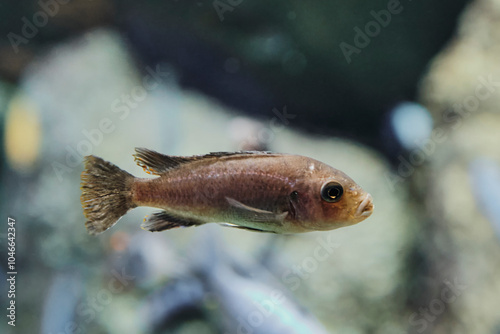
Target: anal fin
161	221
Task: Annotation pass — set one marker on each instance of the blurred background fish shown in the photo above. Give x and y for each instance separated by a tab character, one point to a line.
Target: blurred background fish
244	296
402	96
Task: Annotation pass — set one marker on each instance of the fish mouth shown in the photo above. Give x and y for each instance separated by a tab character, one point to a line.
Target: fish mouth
366	206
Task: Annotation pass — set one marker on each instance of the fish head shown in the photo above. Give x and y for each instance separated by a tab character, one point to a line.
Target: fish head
331	199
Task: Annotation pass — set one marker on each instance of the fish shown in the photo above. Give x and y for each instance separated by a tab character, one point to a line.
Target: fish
252	190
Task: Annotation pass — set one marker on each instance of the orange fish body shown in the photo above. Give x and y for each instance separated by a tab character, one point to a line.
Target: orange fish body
257	191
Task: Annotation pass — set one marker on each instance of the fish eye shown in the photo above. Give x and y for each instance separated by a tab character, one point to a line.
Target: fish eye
294	195
332	192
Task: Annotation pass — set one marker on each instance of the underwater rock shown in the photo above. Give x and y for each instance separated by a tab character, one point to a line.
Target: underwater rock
462	91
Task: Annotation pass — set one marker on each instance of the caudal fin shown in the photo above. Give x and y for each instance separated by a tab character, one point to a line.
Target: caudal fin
106	194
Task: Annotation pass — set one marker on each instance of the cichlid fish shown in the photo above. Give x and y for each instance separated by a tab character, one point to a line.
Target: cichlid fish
258	191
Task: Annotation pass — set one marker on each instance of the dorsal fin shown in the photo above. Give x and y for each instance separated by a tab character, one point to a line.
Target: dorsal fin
156	163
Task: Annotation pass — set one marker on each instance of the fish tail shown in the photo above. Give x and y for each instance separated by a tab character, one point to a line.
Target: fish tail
106	194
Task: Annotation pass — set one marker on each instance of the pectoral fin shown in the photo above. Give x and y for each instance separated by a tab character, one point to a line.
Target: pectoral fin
253	215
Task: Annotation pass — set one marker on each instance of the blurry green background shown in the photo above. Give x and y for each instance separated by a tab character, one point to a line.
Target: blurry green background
411	115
